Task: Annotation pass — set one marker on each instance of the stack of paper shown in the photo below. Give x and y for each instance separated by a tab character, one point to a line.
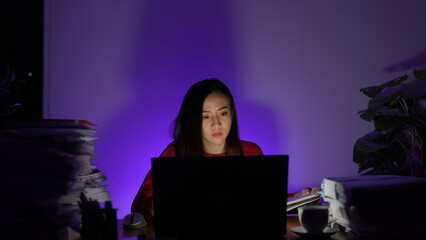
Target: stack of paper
302	199
378	206
42	166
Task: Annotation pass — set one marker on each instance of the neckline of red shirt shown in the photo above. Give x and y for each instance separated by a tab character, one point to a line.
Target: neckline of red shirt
214	155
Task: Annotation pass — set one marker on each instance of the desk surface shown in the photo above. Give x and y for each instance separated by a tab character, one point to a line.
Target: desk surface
292	221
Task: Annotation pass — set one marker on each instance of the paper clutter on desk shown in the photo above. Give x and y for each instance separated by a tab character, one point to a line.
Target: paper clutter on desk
378	206
45	165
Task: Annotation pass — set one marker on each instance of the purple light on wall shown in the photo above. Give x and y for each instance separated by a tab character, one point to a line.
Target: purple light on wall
172	50
294	68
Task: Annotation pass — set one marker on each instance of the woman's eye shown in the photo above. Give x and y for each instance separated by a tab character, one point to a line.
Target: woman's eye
223	114
205	117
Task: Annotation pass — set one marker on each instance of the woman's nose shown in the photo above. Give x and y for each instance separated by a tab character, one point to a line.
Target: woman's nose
216	121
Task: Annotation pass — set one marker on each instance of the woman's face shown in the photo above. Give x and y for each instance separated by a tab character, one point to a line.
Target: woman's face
216	122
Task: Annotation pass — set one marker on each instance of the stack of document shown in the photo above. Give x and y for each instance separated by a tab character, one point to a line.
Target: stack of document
303	199
378	206
43	164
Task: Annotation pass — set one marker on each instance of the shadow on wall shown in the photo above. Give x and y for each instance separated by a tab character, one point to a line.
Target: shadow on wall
407	65
412	86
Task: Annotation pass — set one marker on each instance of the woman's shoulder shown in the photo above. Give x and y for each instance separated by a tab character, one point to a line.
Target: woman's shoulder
250	148
170	150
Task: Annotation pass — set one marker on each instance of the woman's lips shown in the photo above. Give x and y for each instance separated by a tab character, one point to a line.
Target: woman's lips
218	134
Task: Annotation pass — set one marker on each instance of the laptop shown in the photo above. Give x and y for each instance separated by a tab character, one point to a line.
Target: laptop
220	197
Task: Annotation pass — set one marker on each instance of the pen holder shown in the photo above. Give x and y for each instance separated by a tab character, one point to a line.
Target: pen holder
97	223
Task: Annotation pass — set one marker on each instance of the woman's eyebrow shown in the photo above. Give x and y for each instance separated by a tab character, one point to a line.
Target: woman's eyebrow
222	108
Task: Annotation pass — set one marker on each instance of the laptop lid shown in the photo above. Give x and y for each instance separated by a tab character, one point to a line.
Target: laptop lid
210	197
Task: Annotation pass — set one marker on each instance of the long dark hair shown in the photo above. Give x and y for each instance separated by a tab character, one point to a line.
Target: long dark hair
187	126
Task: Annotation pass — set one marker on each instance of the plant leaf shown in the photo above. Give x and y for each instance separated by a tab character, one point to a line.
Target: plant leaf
420	74
373	91
381	105
367	114
388	123
378	152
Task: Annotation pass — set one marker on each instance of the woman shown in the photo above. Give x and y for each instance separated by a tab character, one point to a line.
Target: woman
206	125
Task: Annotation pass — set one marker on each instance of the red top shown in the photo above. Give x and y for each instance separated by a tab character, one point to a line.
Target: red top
143	200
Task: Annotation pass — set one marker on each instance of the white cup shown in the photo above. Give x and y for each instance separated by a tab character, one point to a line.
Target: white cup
314	219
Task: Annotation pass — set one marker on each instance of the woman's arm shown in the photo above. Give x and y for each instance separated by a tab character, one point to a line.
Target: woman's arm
143	200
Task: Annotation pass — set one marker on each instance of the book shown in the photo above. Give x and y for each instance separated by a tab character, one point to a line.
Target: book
300	200
377	206
366	189
46	164
44	123
54	132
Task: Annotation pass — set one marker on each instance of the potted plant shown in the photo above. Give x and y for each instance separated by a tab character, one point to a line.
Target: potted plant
396	144
9	90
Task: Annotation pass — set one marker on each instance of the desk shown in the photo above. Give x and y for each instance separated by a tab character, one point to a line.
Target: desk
148	231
